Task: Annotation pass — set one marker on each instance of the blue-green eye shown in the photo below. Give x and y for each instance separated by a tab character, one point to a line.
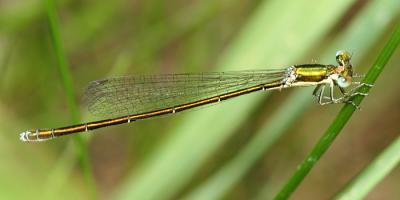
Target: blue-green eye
343	82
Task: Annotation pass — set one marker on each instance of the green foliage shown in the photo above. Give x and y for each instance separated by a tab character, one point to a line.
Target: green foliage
66	79
242	149
372	174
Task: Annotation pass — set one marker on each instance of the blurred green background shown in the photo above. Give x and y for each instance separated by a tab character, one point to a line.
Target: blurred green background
245	148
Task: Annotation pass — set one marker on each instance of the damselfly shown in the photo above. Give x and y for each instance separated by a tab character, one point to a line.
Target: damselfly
134	98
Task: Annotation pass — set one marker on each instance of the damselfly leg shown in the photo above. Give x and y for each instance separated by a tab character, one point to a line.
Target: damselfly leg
319	93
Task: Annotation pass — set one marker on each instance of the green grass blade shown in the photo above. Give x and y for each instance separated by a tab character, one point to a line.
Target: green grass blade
68	86
359	187
344	115
61	60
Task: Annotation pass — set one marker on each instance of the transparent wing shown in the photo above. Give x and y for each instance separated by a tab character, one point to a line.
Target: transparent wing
130	95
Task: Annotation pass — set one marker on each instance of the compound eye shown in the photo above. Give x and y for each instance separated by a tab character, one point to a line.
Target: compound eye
343	82
343	57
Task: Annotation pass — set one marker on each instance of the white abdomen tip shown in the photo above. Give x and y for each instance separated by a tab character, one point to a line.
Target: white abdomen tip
24	136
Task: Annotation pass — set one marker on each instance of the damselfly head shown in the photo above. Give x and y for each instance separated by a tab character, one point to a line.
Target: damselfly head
343	58
343	73
345	68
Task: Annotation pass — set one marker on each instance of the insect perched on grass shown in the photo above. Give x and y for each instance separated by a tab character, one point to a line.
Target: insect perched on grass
134	98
